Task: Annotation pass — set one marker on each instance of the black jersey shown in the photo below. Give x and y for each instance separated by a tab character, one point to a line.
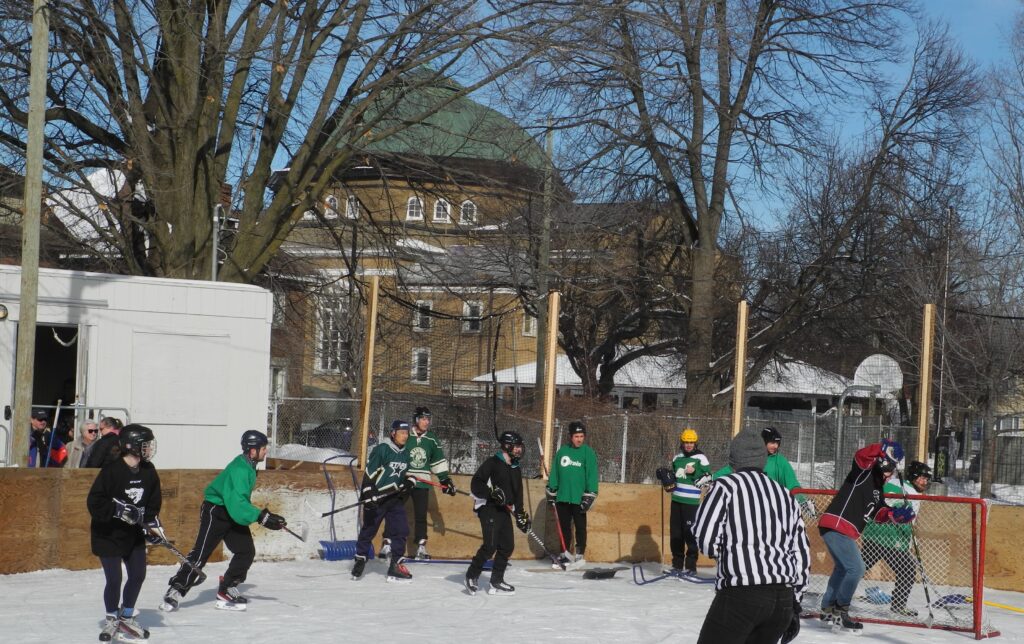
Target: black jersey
140	486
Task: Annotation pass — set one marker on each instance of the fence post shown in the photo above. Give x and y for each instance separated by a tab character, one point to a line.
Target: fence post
923	405
274	402
551	371
364	407
625	445
740	370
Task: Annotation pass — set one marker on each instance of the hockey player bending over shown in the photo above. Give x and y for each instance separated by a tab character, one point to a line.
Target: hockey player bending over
386	476
497	489
752	526
124	503
225	515
859	499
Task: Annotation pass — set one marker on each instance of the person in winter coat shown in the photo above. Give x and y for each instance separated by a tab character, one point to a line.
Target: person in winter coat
124	503
778	469
81	446
225	515
106	448
387	476
690	472
497	492
572	490
45	448
859	500
426	457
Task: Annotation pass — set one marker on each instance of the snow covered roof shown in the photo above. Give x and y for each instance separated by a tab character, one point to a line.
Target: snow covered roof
80	212
653	372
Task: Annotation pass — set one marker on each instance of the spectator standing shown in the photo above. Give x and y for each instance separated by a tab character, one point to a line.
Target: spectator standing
891	541
426	457
386	475
690	472
858	500
81	446
124	503
105	451
45	448
752	527
225	515
497	491
572	490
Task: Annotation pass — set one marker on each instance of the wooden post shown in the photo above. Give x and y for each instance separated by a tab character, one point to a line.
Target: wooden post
925	390
371	341
550	374
740	370
28	309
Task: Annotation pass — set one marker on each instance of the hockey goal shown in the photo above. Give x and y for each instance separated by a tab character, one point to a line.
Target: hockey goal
929	574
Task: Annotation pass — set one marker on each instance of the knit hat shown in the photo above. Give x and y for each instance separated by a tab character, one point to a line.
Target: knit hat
747	450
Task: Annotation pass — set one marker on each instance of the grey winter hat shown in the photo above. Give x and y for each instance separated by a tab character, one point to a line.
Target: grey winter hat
747	450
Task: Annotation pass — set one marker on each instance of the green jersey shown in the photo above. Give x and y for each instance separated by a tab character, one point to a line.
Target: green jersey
892	535
686	490
573	472
777	468
426	457
387	465
232	489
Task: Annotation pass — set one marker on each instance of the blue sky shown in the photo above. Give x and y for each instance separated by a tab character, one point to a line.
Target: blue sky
982	26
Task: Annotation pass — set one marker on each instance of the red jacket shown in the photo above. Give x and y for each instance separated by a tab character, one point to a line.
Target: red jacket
860	496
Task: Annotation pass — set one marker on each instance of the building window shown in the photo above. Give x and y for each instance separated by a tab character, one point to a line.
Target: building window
414	209
529	325
330	207
442	211
421	316
278	382
421	366
330	347
471	314
467	213
352	207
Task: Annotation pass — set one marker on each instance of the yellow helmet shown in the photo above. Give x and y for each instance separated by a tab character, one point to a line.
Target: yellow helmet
689	435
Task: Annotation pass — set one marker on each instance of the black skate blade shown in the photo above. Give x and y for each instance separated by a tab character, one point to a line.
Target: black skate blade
223	605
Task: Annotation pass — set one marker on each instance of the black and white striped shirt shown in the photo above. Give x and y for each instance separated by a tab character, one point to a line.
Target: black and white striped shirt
753	527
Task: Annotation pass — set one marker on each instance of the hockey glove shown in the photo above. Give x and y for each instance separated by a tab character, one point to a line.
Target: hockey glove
523	521
130	514
368	496
902	515
703	481
448	487
666	476
154	531
551	495
587	501
809	510
892	450
498	496
271	521
408	483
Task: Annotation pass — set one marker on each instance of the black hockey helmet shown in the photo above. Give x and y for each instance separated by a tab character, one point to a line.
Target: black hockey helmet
576	427
771	435
137	440
421	412
917	468
253	439
508	440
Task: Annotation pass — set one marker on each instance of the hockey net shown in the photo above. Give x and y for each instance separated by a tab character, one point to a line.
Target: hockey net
938	563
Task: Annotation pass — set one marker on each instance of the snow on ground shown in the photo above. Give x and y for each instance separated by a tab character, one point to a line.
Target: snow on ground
316	602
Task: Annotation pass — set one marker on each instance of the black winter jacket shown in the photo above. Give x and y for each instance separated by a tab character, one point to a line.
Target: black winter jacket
113	537
496	473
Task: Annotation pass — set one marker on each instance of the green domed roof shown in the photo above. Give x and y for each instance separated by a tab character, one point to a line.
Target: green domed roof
455	128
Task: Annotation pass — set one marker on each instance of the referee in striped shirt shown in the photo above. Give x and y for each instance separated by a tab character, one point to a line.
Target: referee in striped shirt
753	527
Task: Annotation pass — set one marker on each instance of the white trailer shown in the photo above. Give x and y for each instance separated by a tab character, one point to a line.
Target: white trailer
189	359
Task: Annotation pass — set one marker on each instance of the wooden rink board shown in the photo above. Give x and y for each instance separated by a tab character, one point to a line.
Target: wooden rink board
47	524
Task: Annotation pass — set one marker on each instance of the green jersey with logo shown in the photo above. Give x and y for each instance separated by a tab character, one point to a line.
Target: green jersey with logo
426	457
573	473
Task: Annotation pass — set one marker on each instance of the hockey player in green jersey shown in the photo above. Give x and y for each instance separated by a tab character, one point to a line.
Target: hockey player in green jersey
778	469
426	457
386	483
572	489
690	471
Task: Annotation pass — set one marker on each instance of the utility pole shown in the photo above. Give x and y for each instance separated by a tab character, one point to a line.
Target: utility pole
544	263
28	306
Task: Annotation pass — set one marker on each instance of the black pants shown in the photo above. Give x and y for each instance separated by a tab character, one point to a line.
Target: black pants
499	542
135	565
420	501
748	615
572	515
902	564
681	539
396	527
216	525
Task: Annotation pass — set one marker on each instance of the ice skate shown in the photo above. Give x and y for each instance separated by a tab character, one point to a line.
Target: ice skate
109	628
385	549
576	562
421	551
129	630
171	600
228	598
842	623
398	573
472	585
827	613
564	561
500	587
358	567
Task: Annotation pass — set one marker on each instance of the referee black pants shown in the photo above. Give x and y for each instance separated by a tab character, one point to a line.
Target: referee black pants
216	525
748	615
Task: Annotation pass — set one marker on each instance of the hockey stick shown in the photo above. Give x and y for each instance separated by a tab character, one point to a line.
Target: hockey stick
303	528
438	485
200	575
926	583
554	508
377	498
53	435
555	560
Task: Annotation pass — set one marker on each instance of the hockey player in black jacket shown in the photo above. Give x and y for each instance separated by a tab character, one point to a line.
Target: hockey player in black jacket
124	503
497	490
